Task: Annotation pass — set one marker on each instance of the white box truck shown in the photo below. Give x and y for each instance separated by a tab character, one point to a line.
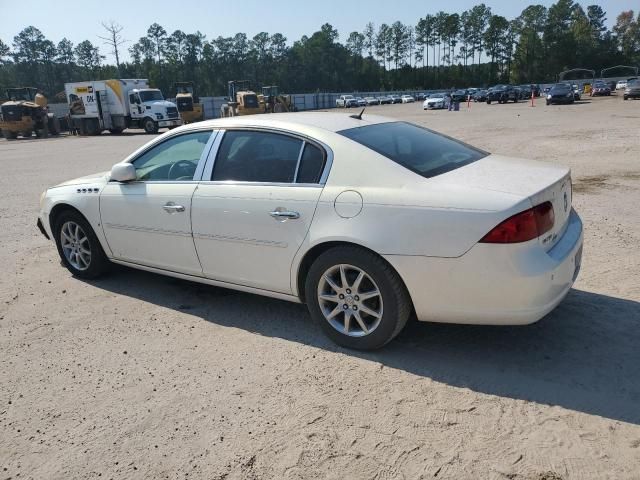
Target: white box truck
95	106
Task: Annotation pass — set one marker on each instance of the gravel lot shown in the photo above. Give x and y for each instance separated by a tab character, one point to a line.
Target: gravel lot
142	376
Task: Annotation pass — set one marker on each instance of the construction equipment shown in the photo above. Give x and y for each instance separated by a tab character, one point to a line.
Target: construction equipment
242	100
117	104
26	111
273	102
188	102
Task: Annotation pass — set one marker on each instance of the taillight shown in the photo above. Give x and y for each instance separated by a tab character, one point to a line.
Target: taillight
523	226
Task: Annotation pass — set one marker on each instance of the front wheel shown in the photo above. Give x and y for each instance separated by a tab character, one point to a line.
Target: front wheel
359	301
150	126
78	246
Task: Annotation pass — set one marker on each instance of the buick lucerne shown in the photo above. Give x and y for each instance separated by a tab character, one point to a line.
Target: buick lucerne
366	219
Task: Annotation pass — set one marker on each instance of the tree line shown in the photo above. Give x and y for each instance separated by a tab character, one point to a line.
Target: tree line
442	50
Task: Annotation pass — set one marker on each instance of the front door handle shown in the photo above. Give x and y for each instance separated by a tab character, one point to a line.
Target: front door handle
171	207
281	214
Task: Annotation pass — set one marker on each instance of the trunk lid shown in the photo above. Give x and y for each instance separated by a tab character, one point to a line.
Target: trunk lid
537	181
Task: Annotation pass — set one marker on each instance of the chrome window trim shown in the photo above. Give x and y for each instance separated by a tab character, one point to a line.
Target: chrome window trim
203	156
210	164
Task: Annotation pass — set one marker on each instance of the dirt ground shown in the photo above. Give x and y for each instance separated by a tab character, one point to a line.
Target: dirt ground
141	376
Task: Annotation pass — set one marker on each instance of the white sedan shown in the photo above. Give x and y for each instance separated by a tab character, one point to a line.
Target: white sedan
365	219
407	99
434	102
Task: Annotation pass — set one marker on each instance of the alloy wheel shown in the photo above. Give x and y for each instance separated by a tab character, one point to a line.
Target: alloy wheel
350	300
75	245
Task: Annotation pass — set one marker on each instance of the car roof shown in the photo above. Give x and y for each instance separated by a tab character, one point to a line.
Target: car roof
329	121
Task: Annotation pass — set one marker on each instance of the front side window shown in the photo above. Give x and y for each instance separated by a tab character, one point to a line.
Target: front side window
420	150
253	156
173	159
151	95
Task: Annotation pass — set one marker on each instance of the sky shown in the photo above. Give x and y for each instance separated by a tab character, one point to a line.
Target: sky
80	20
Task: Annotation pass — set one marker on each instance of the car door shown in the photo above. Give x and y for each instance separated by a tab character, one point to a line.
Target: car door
251	217
148	221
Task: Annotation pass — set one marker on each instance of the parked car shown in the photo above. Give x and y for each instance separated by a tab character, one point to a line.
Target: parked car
436	101
600	88
407	99
212	202
372	100
480	96
421	96
576	91
459	95
502	94
632	90
621	85
385	100
527	90
612	85
560	93
395	99
346	101
361	102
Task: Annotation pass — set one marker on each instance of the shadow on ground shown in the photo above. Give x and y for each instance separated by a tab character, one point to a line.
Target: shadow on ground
584	356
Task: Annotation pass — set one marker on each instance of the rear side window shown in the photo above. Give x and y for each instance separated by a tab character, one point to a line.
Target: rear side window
311	165
251	156
420	150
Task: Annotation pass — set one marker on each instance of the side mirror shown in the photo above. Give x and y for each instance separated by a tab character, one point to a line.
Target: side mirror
123	172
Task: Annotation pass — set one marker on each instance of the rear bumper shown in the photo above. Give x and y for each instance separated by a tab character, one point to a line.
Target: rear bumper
494	284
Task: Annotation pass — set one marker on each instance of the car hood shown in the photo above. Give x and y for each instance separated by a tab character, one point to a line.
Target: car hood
434	100
160	103
96	178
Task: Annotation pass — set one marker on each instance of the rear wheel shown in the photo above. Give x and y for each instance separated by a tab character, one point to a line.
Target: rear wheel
359	301
78	246
27	133
9	135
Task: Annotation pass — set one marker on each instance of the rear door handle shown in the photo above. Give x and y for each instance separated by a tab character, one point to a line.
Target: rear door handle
284	214
171	207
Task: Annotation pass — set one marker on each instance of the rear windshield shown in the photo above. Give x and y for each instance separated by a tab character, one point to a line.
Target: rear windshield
420	150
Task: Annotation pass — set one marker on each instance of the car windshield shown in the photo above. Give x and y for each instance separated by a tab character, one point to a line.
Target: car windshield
561	87
422	151
348	97
151	95
437	95
633	83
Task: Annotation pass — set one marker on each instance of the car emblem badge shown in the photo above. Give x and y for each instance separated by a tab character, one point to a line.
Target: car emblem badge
566	202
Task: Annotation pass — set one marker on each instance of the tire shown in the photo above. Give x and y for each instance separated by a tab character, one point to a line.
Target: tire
43	133
150	126
27	133
76	261
392	301
115	131
625	97
488	102
9	135
548	102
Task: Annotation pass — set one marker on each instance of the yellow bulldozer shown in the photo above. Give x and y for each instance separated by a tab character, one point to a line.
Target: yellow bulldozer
273	102
26	112
188	102
242	100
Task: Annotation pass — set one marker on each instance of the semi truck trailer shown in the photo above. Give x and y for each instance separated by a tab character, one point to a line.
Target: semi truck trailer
95	106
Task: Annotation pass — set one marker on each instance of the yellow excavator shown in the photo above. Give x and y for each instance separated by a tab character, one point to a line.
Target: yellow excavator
273	102
242	100
26	111
188	102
